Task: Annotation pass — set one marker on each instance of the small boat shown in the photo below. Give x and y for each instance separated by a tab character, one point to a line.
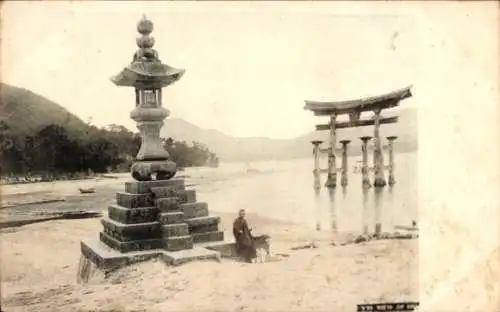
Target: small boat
405	228
408	228
249	169
87	190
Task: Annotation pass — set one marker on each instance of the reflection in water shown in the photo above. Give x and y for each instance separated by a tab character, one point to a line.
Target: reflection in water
390	200
378	200
344	193
286	195
365	213
333	212
318	208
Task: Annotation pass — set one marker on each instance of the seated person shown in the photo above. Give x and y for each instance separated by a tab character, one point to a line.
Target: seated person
244	241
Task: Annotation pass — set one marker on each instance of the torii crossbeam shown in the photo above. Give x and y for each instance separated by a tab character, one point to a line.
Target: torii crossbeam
354	108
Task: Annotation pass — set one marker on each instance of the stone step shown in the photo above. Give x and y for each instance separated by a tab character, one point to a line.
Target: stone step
137	245
171	217
184	196
144	187
203	228
188	255
171	230
214	236
203	224
202	220
227	249
108	259
168	204
194	210
132	215
162	192
129	200
177	243
190	196
131	232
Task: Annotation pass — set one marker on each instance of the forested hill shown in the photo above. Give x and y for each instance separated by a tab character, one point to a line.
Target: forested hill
26	112
38	136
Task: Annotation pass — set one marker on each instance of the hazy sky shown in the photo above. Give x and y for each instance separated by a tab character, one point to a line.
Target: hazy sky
249	66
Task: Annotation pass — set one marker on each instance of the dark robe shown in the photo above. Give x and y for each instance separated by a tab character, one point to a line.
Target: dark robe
244	240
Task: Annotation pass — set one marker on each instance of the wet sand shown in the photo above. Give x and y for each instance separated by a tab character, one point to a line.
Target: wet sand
39	265
40	262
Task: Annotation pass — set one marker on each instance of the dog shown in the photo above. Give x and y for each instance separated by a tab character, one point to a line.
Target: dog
262	245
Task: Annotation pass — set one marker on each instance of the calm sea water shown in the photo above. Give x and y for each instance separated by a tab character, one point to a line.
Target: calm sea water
283	190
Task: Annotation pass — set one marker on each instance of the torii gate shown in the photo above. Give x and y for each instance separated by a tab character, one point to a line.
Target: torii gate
354	108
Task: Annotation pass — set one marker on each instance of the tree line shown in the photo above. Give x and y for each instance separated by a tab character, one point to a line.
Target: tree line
53	152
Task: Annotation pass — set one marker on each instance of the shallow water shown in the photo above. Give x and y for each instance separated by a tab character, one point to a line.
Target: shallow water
283	190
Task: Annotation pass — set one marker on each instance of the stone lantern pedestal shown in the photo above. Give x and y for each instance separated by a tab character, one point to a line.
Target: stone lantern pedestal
155	216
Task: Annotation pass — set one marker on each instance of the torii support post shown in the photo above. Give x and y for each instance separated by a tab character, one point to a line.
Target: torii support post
317	185
364	169
344	179
317	170
391	179
378	157
331	180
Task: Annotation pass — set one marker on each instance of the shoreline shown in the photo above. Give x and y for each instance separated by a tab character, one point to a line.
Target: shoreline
5	180
40	261
33	278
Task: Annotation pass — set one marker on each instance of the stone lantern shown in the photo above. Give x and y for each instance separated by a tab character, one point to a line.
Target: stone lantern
156	216
148	75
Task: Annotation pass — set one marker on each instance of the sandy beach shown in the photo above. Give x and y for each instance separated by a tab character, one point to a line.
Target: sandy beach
40	263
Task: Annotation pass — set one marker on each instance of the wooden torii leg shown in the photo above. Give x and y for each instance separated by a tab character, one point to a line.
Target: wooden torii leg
317	182
378	157
331	180
364	169
391	179
344	179
317	170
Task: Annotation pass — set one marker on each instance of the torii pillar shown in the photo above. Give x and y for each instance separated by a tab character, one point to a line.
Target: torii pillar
391	140
378	157
331	180
317	169
364	169
317	183
344	178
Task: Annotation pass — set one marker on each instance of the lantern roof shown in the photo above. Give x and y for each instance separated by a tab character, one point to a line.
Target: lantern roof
146	70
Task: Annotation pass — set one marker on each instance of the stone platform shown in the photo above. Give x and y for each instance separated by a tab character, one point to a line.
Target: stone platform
108	259
226	249
154	219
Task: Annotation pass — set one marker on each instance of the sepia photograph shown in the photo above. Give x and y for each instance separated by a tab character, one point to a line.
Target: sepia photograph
217	156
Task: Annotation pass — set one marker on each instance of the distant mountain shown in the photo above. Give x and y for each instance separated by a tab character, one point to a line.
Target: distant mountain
226	147
26	112
250	149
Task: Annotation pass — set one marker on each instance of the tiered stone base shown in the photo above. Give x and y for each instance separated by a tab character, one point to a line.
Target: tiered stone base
151	219
108	259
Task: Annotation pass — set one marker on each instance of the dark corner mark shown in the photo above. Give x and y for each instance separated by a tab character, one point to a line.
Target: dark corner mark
390	306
